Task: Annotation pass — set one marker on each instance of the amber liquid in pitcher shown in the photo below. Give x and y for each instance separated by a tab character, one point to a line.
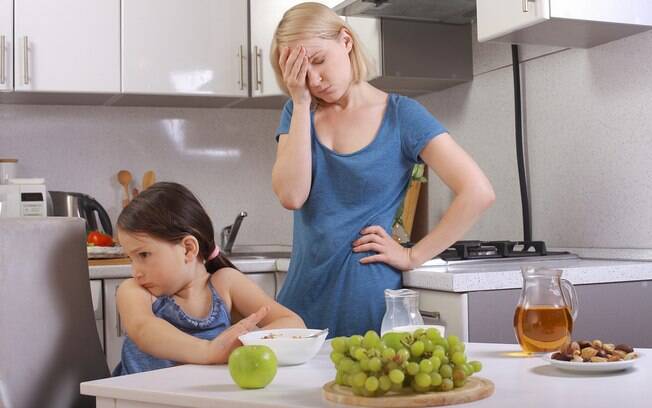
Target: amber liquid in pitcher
542	328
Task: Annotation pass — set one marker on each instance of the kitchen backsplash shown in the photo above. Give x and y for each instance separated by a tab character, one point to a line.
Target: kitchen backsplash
224	155
588	130
586	124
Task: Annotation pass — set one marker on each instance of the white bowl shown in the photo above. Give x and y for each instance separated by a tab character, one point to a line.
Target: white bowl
289	349
412	328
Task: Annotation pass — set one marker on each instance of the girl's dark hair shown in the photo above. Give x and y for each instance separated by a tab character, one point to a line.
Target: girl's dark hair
170	212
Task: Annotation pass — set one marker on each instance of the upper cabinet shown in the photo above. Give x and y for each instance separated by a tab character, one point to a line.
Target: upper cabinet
563	23
63	45
179	47
6	45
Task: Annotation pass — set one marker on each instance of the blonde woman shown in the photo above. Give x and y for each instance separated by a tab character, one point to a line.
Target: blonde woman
344	159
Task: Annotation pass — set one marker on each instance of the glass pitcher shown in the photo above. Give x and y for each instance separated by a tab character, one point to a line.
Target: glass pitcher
543	320
402	309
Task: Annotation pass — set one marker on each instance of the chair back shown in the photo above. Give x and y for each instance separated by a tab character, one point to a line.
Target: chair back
48	337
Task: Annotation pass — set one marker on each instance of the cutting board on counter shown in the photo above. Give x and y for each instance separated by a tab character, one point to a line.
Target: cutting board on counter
109	261
476	388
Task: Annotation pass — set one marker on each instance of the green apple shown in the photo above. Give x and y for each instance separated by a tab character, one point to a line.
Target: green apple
252	366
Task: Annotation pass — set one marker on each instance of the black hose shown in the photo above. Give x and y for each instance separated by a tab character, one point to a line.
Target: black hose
520	152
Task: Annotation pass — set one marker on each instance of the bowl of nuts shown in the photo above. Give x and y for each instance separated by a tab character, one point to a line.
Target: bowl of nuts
594	356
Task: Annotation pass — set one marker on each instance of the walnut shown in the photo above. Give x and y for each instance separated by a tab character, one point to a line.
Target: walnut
588	352
608	347
597	344
598	360
631	356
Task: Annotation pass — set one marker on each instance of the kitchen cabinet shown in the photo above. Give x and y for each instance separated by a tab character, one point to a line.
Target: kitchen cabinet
563	23
64	46
176	47
6	45
114	335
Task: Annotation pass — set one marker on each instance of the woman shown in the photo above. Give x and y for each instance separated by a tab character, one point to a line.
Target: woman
344	160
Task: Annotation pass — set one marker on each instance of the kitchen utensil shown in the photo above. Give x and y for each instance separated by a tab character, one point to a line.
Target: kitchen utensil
67	204
476	388
149	178
543	320
402	309
592	367
124	178
291	346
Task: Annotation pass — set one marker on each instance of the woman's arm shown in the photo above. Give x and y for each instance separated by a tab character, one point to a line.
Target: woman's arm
292	171
473	195
160	339
247	298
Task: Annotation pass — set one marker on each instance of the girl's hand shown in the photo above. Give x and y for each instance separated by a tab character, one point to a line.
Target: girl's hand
294	66
220	348
375	238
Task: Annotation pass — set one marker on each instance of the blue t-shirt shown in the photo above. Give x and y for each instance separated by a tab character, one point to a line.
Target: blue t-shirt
326	283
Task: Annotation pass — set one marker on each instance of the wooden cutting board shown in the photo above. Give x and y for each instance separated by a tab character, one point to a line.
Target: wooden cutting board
109	261
476	388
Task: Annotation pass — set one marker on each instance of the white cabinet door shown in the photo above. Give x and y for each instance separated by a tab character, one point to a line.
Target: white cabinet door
6	45
264	17
499	17
113	333
266	281
180	47
67	45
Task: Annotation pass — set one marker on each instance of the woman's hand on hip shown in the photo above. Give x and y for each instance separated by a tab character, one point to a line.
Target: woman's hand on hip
294	66
220	348
376	239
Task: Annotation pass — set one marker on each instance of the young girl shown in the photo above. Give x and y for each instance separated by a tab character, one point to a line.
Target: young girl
184	295
344	158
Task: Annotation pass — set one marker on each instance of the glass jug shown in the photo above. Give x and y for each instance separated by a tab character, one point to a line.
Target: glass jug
402	309
543	320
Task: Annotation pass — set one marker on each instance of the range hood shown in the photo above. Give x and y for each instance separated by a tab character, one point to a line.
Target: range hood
439	11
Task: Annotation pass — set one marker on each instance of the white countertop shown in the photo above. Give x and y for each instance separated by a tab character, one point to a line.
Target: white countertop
507	275
519	381
461	277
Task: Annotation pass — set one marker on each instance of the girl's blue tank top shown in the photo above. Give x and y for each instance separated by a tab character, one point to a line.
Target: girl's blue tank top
135	360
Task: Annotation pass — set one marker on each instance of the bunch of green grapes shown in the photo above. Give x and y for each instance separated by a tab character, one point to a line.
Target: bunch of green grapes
422	361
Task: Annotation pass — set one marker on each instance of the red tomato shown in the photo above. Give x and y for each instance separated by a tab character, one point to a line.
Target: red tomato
99	239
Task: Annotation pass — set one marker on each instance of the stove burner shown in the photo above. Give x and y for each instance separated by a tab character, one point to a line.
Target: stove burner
463	250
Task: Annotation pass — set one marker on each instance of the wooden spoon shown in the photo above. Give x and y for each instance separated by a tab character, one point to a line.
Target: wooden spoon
124	178
149	178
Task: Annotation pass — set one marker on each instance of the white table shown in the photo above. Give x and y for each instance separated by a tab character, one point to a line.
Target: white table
520	382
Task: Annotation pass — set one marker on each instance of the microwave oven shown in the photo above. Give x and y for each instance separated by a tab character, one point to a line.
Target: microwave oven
23	198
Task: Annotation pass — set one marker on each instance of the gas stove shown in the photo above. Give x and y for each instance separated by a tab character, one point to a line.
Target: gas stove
496	251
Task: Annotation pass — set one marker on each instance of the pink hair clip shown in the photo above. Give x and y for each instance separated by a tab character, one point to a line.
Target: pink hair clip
214	254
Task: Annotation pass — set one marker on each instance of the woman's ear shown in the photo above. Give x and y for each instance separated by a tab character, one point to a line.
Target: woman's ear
346	38
191	248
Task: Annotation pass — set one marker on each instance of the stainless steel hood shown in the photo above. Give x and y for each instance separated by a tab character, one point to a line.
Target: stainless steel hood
440	11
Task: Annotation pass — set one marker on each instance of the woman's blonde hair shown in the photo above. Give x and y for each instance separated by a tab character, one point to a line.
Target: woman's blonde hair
315	20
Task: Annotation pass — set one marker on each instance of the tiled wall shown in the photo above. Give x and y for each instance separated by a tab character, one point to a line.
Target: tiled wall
224	155
587	125
588	130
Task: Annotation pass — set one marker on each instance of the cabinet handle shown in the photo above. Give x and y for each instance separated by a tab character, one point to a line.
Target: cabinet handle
26	61
242	60
258	77
2	59
525	5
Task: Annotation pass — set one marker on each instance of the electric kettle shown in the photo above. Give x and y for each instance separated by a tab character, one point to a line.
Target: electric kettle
67	204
